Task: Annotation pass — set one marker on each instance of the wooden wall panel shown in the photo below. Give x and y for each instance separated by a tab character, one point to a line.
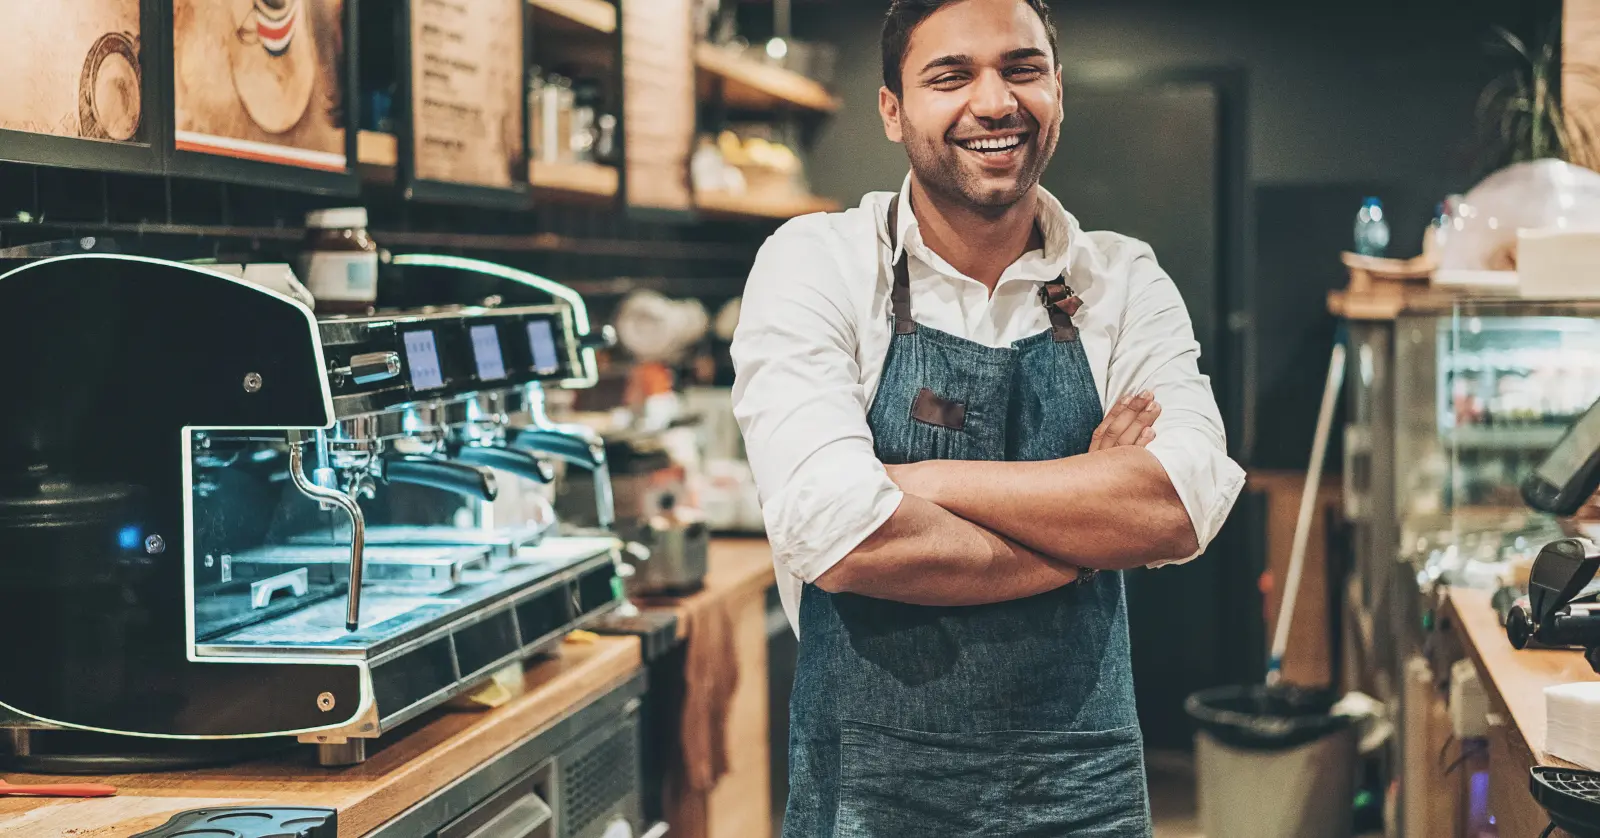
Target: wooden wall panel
658	102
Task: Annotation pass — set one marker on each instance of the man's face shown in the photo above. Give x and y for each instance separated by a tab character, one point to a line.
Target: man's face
980	115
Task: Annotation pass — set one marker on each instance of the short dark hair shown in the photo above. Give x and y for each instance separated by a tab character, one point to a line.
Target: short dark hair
906	15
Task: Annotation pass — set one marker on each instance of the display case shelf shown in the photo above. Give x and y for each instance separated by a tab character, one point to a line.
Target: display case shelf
1504	438
591	15
751	85
727	205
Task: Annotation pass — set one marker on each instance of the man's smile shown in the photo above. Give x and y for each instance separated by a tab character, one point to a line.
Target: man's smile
997	151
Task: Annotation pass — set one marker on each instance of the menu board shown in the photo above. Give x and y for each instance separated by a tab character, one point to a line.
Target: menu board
658	101
260	80
72	69
467	92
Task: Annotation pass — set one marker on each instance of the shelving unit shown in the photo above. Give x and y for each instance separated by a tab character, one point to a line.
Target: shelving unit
379	154
591	15
377	149
578	180
725	205
751	85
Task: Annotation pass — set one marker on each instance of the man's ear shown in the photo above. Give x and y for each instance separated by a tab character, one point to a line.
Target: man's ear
1061	93
889	109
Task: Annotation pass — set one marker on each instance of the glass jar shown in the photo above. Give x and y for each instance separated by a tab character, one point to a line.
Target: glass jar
340	261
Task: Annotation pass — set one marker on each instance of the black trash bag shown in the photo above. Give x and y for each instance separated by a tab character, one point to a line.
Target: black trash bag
1261	718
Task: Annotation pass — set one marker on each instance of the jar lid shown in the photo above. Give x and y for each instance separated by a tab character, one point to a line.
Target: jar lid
339	218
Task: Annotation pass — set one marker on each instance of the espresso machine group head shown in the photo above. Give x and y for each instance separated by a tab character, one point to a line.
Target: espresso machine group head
221	517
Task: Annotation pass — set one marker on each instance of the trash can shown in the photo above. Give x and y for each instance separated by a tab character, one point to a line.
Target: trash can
1273	763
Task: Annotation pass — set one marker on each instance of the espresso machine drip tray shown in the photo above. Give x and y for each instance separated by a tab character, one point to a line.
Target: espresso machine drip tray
424	650
393	617
505	545
390	568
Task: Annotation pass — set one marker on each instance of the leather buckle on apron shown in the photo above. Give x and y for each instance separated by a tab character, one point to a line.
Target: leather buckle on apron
1062	304
930	408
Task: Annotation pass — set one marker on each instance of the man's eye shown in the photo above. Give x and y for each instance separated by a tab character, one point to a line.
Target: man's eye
1024	72
950	80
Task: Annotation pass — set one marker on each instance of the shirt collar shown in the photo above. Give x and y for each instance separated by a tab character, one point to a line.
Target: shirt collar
1060	229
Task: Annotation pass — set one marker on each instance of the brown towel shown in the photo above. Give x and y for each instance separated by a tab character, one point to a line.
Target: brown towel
710	677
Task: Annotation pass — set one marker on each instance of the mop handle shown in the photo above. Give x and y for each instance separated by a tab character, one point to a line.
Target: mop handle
1308	502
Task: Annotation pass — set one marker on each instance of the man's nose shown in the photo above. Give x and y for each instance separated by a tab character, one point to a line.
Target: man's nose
992	97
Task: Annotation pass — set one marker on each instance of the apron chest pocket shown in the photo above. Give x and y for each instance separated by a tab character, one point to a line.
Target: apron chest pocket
1021	784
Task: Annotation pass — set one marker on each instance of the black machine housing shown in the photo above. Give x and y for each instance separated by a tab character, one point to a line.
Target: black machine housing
149	405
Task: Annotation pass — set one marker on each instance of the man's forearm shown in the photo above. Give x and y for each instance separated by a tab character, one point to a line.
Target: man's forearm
1111	509
924	555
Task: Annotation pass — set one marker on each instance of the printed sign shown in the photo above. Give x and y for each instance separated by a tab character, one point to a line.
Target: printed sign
261	80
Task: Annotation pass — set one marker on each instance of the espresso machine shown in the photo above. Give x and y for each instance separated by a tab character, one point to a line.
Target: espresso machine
222	518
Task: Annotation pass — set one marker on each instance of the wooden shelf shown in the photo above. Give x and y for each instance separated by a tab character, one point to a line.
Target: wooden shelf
592	180
595	15
381	152
751	85
722	204
377	149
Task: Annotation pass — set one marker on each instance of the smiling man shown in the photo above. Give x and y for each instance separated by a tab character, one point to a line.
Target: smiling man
966	417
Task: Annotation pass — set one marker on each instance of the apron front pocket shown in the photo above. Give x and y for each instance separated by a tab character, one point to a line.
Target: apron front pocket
1021	784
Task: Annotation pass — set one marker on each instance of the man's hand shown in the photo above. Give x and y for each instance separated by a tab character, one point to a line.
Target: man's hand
1131	421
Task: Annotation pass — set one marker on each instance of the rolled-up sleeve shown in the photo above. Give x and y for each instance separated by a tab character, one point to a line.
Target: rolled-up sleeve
1156	351
799	401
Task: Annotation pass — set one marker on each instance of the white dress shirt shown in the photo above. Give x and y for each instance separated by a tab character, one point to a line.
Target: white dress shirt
814	333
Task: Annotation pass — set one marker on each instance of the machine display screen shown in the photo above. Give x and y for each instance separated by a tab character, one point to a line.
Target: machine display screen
422	356
486	349
1563	462
542	337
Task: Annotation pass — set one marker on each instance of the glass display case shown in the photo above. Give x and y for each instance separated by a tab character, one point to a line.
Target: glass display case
1498	390
1450	402
1449	405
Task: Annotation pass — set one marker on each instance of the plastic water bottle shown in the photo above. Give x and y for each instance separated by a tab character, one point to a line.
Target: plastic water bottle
1372	232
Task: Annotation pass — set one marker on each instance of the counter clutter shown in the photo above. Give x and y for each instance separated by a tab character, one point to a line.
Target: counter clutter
447	768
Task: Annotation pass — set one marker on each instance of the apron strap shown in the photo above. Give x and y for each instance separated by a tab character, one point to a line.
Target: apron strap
1057	298
1062	304
900	295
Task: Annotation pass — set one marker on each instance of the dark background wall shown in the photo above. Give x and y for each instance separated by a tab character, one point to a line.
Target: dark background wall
1355	90
1342	100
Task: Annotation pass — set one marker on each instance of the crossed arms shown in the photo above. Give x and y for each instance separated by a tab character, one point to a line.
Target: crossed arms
971	533
957	532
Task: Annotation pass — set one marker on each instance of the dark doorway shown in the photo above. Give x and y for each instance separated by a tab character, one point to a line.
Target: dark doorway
1162	159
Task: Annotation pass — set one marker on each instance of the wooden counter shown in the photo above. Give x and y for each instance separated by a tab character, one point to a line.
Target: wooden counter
1515	682
736	567
739	804
403	773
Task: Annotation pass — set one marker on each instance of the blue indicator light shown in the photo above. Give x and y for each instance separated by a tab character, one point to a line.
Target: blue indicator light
128	538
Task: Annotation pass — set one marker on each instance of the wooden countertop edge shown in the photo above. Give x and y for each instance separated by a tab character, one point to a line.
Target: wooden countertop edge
738	567
525	717
1513	680
394	779
1470	641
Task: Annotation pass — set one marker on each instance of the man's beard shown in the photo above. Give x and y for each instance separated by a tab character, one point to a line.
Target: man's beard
939	168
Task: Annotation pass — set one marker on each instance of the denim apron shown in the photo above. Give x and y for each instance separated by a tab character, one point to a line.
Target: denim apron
1012	719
